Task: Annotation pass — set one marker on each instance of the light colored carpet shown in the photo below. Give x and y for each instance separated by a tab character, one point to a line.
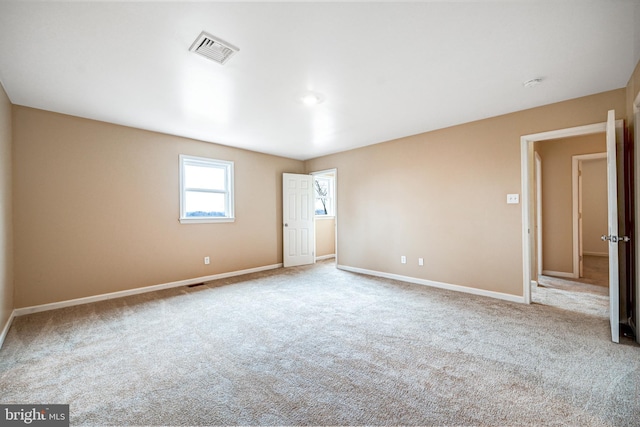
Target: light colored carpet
580	302
588	295
319	346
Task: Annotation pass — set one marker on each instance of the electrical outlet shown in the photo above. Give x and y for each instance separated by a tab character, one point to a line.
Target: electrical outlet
513	199
420	261
403	259
207	260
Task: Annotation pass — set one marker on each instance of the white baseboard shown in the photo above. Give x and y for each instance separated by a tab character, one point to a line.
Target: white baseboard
112	295
441	285
5	329
603	254
320	258
559	274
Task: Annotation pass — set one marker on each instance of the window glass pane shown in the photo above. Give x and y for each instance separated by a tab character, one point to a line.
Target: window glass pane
322	187
322	207
199	205
209	178
324	196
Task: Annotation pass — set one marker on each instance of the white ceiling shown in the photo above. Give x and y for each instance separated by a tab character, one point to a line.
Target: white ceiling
386	70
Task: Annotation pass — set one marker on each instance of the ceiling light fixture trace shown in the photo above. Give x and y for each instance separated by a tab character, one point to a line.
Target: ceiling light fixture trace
312	98
532	82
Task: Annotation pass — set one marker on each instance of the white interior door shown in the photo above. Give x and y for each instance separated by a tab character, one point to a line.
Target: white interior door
298	233
580	224
612	218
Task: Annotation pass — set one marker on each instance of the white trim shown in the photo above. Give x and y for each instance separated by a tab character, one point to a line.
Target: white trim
539	225
526	168
433	284
136	291
602	254
575	204
333	171
526	183
567	133
323	217
320	258
228	192
558	274
206	220
325	172
7	326
335	211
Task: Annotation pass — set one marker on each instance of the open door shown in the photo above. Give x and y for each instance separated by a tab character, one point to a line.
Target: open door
527	165
612	220
580	224
298	234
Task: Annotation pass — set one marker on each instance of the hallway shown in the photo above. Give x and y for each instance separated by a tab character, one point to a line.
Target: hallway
588	294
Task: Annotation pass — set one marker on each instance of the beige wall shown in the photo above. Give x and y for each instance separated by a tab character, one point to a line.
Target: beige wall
557	216
594	207
97	206
441	195
6	206
325	236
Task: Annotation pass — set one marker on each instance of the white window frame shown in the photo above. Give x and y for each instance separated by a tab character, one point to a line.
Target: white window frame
330	196
227	166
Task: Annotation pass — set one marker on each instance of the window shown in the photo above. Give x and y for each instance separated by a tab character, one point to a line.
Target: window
206	190
324	192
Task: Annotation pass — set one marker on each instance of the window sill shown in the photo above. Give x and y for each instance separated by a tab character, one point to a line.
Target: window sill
205	220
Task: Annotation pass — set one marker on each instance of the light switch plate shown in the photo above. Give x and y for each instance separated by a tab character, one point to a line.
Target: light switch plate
513	199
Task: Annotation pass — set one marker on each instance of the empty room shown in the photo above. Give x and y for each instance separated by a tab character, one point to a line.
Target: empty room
319	213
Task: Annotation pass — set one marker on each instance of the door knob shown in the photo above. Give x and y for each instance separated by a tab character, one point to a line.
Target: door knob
286	225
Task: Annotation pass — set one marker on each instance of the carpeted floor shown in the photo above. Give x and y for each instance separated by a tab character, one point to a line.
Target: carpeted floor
319	346
588	294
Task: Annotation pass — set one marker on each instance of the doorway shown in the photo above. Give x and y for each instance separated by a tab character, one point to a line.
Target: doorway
571	215
325	193
309	217
614	132
589	200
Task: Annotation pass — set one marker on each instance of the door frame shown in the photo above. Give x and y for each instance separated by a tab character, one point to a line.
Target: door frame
576	201
538	193
333	171
636	122
527	187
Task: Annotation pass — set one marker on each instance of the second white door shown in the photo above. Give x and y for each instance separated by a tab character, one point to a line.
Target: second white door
298	235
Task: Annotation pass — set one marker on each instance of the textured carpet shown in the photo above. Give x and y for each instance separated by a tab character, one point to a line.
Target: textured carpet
580	301
588	294
316	346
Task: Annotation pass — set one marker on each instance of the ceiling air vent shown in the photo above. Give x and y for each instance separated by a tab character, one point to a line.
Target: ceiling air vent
213	48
